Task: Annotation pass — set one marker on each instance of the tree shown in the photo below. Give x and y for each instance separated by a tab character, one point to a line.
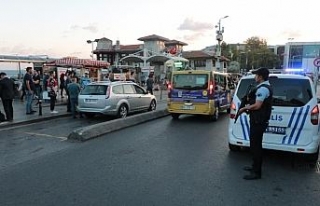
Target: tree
258	54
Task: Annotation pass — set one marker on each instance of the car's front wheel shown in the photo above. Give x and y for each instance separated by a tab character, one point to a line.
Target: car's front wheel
123	111
153	106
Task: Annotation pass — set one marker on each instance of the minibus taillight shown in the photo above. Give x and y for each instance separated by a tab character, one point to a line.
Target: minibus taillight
169	90
233	110
211	88
108	92
315	115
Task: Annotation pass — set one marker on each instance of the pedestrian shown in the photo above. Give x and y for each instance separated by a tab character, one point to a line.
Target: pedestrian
7	88
52	87
36	81
70	75
150	83
29	88
62	84
259	109
74	90
85	80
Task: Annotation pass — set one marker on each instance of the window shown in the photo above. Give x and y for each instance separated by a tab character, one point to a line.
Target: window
117	89
94	90
190	81
286	92
199	63
128	89
139	90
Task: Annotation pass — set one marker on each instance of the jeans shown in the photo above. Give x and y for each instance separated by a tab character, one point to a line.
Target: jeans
74	104
8	109
52	102
29	97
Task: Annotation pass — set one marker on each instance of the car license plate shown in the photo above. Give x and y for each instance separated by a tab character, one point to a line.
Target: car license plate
276	130
91	100
188	107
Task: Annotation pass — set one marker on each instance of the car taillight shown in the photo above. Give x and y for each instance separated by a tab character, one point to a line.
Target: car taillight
233	110
108	93
315	115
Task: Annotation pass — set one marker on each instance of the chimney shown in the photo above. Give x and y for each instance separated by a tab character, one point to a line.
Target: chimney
117	44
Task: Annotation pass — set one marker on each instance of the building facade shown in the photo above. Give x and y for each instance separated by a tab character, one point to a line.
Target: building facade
300	55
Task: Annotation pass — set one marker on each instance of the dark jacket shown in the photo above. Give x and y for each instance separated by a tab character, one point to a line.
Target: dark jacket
7	88
262	115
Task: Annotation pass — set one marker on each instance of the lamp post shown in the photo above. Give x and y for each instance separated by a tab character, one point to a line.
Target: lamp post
92	46
219	38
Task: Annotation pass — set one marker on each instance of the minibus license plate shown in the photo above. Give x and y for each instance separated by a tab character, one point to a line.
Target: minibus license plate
276	130
188	107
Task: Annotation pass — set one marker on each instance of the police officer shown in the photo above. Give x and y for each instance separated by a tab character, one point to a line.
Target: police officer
259	110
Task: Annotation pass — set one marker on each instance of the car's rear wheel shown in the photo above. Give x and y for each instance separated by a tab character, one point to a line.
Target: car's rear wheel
313	157
89	115
123	111
234	148
153	105
215	116
175	116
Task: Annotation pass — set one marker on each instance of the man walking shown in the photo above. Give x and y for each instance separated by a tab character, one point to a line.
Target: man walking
260	110
74	90
29	87
7	95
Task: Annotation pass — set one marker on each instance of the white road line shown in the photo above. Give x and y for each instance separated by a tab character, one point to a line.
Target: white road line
47	135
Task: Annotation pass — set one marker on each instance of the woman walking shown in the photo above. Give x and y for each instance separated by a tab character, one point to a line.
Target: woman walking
52	87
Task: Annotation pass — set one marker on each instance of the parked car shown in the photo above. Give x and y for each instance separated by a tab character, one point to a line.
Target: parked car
294	122
117	98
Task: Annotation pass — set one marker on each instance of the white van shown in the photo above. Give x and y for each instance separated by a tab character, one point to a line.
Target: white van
294	122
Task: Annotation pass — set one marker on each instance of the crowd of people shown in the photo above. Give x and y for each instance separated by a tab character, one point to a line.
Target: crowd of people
33	89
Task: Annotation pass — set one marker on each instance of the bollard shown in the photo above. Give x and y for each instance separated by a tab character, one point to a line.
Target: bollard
40	107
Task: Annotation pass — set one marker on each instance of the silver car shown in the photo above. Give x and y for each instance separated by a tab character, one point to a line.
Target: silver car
117	98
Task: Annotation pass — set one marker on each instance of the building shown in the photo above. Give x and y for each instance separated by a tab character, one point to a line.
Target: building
154	52
300	55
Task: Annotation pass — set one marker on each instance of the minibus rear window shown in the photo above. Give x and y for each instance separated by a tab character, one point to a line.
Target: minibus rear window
190	81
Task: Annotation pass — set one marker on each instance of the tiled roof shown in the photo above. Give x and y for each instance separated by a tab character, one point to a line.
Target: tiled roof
131	47
153	37
196	54
175	42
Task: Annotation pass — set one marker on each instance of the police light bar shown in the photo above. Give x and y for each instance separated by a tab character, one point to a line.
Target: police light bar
294	70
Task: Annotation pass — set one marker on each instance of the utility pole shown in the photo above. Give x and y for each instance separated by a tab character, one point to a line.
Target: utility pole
219	38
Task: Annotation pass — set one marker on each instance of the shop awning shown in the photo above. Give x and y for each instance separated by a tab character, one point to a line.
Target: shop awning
75	62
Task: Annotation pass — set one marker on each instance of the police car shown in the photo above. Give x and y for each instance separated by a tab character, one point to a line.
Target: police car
294	122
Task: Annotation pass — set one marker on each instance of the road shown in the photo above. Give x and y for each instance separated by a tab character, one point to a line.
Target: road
162	162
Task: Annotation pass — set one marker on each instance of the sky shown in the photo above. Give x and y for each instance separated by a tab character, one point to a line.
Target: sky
60	28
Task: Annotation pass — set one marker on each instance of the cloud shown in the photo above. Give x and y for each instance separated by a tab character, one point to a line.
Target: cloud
91	28
291	33
191	25
22	50
193	37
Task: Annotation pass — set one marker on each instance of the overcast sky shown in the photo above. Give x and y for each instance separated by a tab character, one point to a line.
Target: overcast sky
60	28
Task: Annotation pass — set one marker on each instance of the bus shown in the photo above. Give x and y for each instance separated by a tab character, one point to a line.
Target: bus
199	92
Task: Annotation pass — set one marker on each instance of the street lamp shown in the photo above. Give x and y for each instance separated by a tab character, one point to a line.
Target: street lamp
92	46
219	38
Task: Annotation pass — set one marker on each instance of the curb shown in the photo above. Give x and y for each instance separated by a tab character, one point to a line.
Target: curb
96	130
35	120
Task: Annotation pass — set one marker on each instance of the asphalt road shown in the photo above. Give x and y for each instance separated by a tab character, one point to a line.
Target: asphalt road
162	162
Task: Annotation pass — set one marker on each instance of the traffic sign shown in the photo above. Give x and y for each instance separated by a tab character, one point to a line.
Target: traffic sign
316	62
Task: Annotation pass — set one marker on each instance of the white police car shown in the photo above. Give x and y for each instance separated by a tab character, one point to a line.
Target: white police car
294	122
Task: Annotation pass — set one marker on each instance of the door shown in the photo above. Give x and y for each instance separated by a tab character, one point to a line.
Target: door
143	99
131	96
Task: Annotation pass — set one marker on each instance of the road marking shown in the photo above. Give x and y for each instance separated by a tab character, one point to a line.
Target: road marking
47	135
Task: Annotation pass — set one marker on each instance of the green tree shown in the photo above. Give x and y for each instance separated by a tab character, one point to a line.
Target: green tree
258	54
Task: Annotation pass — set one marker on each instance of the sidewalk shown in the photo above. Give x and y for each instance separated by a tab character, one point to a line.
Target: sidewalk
20	117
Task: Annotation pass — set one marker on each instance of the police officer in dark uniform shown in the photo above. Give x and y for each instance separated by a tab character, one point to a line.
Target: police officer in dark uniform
259	109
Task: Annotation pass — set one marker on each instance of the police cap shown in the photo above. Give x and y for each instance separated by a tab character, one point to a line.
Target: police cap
262	71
